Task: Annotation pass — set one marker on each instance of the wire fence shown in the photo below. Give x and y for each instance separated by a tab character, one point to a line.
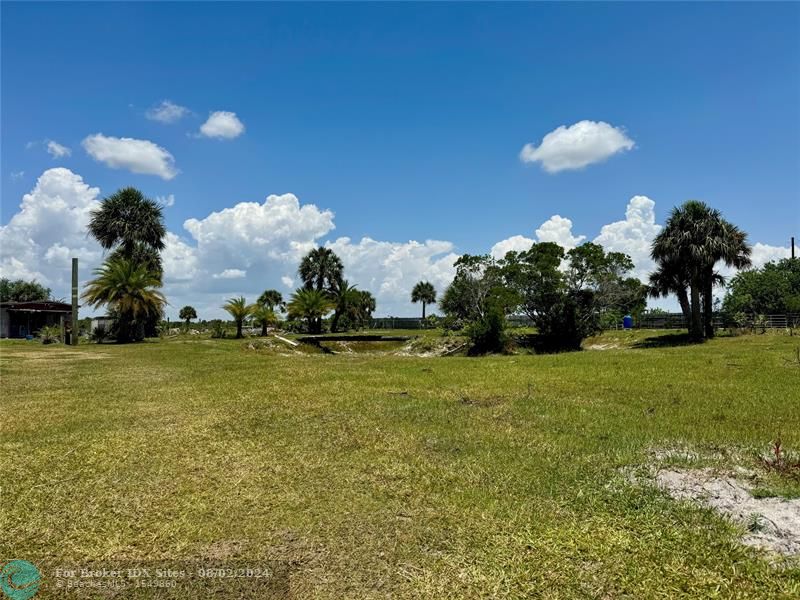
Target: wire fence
646	321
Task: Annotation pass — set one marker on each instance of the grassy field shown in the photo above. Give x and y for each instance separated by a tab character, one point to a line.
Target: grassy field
378	476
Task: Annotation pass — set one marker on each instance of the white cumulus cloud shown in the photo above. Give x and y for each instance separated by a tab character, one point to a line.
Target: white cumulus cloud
516	243
167	112
137	156
49	229
577	146
168	200
556	229
252	246
390	269
230	274
222	124
633	235
559	230
56	150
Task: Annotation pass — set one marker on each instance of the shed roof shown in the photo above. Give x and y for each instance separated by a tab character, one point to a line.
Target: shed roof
37	306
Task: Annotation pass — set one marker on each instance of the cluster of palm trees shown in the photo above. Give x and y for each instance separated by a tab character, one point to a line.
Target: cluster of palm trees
262	312
131	226
324	290
694	240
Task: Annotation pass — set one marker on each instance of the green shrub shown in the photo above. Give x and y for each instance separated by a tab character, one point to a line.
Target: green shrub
50	334
99	334
488	334
218	330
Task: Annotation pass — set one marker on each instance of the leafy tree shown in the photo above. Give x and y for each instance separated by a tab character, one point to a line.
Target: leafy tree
479	282
488	333
480	298
22	291
311	305
320	269
695	238
272	299
187	313
772	289
569	305
423	292
130	291
264	316
239	310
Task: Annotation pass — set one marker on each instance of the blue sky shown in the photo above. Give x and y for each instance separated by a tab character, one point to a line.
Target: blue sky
407	120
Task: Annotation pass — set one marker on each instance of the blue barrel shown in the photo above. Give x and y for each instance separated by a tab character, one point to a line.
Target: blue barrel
627	322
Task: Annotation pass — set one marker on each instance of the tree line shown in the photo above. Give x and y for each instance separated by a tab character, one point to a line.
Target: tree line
567	294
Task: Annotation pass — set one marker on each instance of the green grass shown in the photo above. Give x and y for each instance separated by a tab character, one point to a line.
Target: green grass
375	475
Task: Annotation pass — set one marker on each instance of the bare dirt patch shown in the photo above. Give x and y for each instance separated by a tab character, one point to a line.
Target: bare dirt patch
771	523
606	346
66	355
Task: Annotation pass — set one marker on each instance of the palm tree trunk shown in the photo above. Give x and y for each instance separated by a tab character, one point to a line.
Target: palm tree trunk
264	328
683	300
238	329
696	323
335	322
708	303
423	310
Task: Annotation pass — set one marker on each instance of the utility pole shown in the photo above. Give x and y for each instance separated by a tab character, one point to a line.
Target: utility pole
792	247
74	335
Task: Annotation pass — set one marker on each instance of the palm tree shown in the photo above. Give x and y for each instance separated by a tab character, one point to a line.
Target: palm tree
127	219
311	305
264	316
366	306
187	313
346	298
130	291
239	310
320	269
668	279
423	292
693	240
270	299
133	227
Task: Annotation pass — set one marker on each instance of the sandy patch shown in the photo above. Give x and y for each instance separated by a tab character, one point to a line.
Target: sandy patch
772	523
68	355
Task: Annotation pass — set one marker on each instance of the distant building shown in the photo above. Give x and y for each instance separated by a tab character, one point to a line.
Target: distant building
105	322
20	319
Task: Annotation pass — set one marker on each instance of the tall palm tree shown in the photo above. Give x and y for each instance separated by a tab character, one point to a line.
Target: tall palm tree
345	298
263	315
130	291
693	240
272	299
132	226
311	305
239	310
320	269
423	292
126	219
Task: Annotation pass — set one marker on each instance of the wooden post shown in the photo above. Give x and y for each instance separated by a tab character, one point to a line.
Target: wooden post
74	335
